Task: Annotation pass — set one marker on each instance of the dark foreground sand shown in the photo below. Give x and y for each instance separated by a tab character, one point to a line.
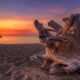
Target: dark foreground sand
15	64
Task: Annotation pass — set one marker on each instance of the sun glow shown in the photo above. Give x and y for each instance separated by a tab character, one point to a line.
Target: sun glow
16	27
13	23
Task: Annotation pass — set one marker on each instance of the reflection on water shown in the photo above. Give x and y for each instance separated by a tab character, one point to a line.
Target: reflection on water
19	40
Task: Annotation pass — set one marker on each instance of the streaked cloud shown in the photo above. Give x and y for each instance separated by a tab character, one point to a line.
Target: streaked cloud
18	15
16	32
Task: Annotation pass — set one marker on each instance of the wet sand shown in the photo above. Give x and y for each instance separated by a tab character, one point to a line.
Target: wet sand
15	64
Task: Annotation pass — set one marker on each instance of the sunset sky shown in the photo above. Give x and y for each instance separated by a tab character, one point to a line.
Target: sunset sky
17	16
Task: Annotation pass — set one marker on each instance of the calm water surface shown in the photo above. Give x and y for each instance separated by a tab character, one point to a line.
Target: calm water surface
19	40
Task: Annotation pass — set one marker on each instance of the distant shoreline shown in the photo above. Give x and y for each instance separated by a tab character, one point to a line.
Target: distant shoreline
19	39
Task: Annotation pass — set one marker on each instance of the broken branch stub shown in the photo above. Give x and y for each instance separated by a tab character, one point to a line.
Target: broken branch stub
54	25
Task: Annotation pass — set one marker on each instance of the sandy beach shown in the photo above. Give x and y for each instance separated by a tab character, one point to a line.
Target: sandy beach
15	64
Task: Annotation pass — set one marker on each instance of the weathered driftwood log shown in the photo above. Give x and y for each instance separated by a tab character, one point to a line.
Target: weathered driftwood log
63	50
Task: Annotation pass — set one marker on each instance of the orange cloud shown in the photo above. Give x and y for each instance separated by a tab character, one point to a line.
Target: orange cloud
16	32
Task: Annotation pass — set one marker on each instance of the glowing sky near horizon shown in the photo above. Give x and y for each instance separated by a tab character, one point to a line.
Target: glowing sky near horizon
17	16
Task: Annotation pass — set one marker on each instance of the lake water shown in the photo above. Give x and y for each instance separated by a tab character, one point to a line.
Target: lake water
19	40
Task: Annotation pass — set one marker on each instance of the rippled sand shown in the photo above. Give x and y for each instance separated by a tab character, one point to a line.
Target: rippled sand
15	64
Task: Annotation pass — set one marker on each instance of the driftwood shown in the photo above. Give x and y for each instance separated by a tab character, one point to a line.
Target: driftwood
63	50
